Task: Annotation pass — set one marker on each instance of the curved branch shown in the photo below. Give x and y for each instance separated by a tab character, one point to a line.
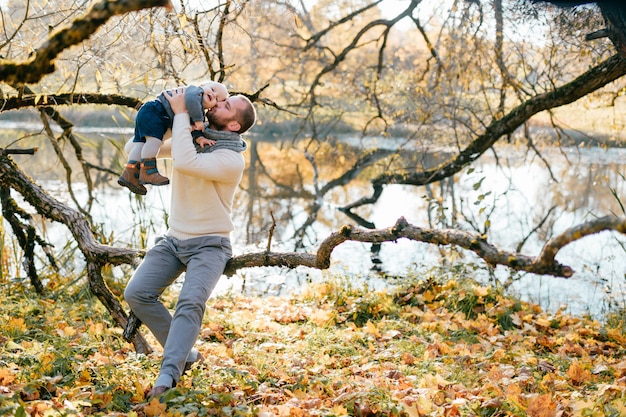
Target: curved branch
100	289
82	28
557	243
96	255
339	58
11	176
319	35
544	264
597	77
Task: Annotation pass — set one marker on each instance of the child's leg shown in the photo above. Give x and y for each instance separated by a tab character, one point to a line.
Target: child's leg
149	172
150	148
135	152
130	176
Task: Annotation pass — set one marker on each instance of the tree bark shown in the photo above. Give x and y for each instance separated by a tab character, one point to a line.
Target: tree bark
42	63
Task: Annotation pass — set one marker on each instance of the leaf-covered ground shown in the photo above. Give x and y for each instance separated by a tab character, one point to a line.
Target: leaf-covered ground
429	348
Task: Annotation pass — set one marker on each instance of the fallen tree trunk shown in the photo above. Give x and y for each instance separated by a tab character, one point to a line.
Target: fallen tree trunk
544	264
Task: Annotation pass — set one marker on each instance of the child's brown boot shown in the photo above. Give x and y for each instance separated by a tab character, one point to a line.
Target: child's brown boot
130	178
149	174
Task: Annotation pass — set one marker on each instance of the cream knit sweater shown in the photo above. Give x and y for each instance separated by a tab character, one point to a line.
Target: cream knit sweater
203	186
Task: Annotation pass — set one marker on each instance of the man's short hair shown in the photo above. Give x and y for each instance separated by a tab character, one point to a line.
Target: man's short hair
246	116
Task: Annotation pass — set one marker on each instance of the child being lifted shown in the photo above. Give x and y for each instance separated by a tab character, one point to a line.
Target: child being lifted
153	119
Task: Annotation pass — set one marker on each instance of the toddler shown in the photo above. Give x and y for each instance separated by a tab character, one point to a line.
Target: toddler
153	119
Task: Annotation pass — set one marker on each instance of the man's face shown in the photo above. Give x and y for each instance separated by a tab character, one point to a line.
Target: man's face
225	112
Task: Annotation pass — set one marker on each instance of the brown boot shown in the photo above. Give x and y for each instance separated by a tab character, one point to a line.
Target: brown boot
130	178
149	174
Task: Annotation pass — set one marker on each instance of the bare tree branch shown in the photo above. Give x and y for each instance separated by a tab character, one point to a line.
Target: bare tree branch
43	100
12	177
597	77
544	264
82	28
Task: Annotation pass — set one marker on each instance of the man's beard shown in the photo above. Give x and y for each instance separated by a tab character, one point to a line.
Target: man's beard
215	123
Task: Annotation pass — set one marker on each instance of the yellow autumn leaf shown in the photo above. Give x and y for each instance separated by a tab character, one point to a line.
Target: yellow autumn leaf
102	399
617	335
408	358
541	406
13	347
84	376
425	405
449	285
16	323
428	296
580	407
543	322
322	317
100	359
620	368
481	291
154	408
433	381
514	394
339	410
411	410
6	376
139	391
96	328
67	331
499	354
516	319
39	408
370	328
578	374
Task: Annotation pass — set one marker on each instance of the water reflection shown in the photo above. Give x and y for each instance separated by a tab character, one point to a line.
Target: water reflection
511	195
514	197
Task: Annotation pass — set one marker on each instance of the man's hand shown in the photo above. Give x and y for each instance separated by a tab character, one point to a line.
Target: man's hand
176	97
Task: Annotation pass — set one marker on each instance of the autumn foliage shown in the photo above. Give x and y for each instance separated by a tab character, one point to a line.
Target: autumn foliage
424	348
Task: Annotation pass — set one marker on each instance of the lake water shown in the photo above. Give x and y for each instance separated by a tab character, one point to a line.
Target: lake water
514	190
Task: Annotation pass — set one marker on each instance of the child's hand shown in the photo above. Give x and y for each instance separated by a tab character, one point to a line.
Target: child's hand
202	141
199	125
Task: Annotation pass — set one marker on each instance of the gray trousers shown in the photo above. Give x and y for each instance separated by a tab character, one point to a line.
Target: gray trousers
203	259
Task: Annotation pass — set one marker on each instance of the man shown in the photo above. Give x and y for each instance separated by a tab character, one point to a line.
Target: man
198	238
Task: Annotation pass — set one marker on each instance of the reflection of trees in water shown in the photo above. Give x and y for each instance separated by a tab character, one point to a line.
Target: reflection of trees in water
293	187
300	188
595	186
512	198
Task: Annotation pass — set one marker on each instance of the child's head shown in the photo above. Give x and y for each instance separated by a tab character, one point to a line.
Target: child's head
213	92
